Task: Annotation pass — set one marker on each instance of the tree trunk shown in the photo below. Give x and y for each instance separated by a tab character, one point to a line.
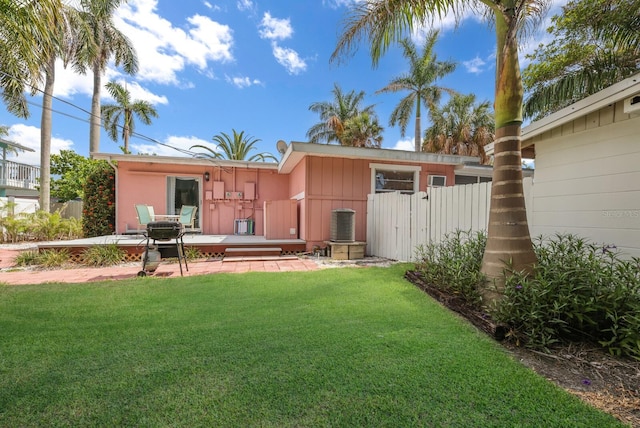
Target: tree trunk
508	240
45	137
418	130
95	122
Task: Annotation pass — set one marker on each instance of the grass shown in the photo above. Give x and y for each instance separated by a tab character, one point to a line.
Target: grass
337	347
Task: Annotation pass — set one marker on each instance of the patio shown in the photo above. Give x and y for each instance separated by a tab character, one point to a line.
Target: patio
210	246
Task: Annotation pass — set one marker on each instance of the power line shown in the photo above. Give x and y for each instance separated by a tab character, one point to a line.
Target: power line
133	134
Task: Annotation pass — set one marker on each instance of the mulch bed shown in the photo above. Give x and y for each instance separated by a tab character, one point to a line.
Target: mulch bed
609	383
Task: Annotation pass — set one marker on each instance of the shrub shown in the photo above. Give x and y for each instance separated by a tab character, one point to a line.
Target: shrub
453	265
103	255
54	258
27	258
579	291
192	253
99	201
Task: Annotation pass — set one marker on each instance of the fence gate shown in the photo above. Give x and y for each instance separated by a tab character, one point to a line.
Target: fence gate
397	223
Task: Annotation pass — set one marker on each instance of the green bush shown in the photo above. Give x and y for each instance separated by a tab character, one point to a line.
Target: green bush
99	201
453	265
54	258
579	291
27	258
103	255
192	253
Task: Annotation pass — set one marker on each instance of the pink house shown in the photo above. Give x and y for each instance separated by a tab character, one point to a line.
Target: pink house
293	199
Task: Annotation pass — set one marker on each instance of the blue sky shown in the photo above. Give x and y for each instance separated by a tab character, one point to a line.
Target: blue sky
249	65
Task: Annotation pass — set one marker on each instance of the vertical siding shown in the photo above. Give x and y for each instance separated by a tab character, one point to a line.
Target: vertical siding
279	218
398	224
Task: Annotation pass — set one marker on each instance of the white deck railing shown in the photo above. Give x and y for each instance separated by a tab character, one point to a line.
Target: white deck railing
18	175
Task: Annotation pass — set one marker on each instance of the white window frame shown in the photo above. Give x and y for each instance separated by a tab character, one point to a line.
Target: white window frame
432	176
375	167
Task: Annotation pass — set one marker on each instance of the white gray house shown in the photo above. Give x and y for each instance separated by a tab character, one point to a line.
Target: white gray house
587	168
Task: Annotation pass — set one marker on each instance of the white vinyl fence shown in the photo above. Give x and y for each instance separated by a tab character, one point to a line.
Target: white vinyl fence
397	224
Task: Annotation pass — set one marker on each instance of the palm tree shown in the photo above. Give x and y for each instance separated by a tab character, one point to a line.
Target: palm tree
23	26
382	22
362	131
101	42
424	70
234	148
46	25
119	116
461	127
64	29
334	114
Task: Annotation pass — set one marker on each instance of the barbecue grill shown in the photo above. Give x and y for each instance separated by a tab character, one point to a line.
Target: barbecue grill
159	234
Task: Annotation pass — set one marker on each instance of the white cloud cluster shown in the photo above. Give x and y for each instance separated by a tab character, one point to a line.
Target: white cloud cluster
406	145
167	147
275	30
475	65
246	5
242	82
163	49
29	136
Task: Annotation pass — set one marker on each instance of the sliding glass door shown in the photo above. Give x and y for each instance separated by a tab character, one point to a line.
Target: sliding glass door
183	191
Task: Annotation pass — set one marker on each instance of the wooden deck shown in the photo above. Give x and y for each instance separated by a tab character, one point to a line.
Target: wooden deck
211	246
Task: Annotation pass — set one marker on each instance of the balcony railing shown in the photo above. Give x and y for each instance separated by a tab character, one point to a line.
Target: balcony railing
15	175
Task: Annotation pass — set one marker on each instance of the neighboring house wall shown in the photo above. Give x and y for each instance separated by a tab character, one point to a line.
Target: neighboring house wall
587	179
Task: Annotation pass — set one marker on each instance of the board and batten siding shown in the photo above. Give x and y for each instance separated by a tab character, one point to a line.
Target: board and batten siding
587	180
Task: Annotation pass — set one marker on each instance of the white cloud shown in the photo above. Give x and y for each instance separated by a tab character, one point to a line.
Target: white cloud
213	7
275	29
164	50
335	4
475	65
289	59
246	5
29	136
406	145
137	93
243	82
166	148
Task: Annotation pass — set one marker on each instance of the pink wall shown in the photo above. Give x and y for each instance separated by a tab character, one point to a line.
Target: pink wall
319	184
334	183
146	183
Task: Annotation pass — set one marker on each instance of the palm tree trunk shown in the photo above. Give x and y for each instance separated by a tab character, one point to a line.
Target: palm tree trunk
418	130
508	239
45	137
95	122
126	131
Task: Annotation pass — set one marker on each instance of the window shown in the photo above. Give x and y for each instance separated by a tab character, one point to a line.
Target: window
471	179
394	178
437	180
183	191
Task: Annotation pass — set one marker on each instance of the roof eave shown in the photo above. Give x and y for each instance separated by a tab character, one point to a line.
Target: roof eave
180	160
296	151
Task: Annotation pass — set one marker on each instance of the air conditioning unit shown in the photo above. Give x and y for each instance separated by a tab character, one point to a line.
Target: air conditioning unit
343	225
632	104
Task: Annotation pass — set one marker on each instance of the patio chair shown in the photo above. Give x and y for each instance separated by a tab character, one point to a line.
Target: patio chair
145	215
188	217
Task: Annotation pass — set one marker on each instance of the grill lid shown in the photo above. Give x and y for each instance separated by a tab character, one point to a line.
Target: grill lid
164	229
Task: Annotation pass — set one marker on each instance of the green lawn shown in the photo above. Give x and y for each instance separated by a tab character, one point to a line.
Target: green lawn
337	347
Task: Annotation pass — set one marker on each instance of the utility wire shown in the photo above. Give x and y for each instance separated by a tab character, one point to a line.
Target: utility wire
133	134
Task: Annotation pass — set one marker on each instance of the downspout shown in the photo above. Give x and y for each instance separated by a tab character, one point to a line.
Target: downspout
115	173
